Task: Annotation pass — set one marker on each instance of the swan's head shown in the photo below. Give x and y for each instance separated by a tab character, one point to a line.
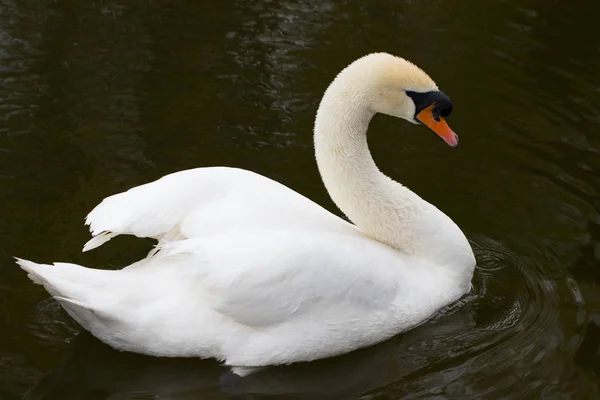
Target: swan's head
394	86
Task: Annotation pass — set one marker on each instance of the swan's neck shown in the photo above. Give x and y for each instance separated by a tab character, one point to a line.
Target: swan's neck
382	208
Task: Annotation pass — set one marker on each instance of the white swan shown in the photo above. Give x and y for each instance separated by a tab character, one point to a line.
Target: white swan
252	273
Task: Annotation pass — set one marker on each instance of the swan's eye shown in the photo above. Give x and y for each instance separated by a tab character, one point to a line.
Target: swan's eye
437	101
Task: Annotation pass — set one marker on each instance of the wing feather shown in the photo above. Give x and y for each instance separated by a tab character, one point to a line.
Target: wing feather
205	201
274	277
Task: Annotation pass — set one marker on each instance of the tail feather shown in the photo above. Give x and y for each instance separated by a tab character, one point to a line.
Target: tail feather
32	270
62	279
73	286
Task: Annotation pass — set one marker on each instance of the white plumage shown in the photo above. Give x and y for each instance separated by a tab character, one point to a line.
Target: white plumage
252	273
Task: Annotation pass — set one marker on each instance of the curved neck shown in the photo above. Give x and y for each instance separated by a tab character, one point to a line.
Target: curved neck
382	208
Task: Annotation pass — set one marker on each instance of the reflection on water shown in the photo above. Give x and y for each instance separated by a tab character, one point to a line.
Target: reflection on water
96	97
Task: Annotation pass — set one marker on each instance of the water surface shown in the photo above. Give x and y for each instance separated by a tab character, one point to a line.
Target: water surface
97	97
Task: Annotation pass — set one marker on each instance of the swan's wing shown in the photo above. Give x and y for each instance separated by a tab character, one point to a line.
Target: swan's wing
203	201
273	277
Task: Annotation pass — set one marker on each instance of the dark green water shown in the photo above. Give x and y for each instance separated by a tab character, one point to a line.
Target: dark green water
97	97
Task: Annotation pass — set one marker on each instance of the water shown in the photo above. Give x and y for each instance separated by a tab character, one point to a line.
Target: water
97	97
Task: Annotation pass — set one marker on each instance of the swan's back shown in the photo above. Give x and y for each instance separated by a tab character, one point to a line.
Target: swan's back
205	201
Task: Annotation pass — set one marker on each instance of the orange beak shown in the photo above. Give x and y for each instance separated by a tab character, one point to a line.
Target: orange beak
439	127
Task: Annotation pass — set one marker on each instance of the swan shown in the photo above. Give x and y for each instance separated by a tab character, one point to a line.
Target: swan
251	273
